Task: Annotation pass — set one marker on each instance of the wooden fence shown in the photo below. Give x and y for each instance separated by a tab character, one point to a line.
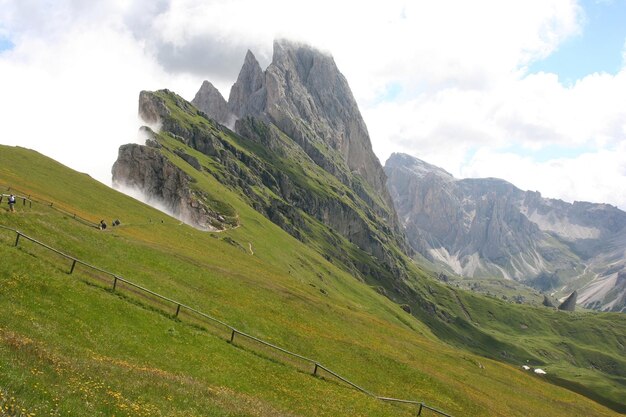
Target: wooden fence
177	308
29	200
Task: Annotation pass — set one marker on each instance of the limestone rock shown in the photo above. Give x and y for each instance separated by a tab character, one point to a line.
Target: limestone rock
248	95
210	100
488	227
145	169
303	93
570	303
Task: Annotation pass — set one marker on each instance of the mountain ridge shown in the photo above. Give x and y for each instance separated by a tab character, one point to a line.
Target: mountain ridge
488	227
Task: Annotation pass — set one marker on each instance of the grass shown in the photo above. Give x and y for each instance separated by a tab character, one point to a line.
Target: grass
71	348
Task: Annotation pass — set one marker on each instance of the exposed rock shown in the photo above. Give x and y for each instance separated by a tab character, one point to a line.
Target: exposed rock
149	136
288	198
488	227
191	160
210	100
303	93
310	100
248	95
147	170
570	303
547	302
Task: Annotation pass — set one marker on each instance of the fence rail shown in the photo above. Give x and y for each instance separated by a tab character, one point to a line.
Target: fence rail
28	198
233	331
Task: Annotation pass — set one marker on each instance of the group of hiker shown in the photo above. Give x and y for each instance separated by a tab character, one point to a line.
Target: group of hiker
12	200
103	224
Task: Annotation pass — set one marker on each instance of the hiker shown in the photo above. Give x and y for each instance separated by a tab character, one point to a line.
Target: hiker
103	225
12	202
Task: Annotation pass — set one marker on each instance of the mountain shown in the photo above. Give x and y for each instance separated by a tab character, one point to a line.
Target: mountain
304	94
268	195
312	155
488	227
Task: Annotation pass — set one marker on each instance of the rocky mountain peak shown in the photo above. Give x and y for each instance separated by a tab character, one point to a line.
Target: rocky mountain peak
416	166
303	93
486	227
310	100
247	95
209	98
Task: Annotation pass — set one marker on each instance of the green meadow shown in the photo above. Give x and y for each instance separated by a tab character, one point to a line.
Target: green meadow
70	345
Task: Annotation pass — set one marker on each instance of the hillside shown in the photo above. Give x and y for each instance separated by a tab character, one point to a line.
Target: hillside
67	347
486	228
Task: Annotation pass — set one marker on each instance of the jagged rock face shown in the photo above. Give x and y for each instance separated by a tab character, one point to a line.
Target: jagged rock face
274	183
570	302
145	169
209	98
309	99
457	216
303	93
248	95
488	227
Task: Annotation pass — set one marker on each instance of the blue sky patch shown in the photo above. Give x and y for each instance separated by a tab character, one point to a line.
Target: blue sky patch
5	44
599	48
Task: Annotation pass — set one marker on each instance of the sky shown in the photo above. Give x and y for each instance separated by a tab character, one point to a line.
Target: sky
531	92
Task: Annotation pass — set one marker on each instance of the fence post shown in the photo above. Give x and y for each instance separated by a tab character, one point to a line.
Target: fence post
17	239
419	412
315	369
232	336
177	311
114	281
73	265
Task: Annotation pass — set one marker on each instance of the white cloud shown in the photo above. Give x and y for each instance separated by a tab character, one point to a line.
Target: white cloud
595	176
440	80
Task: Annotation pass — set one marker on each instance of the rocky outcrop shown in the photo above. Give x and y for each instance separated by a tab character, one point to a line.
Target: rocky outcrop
570	302
210	99
310	100
488	227
303	93
547	302
280	180
166	186
248	95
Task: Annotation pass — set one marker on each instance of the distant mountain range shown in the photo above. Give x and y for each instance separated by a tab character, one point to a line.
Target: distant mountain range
490	228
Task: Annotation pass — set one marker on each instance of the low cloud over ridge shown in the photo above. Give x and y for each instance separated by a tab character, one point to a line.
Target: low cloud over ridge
446	82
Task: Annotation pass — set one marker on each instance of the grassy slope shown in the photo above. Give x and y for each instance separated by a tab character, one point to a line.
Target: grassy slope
67	347
484	325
